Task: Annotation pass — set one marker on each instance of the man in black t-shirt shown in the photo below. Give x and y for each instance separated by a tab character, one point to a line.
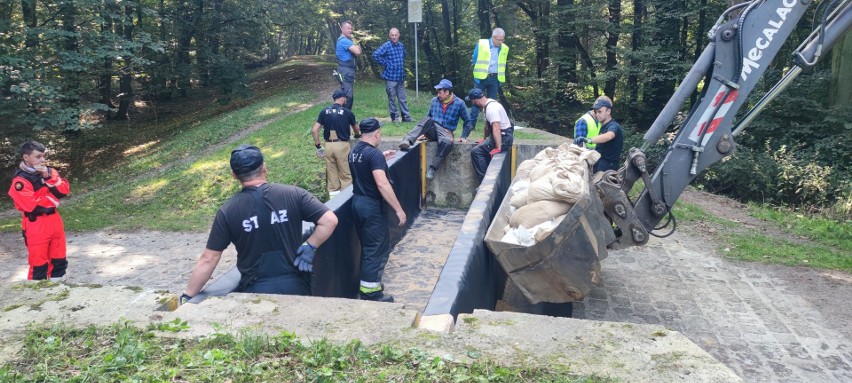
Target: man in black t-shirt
336	121
371	192
264	222
610	140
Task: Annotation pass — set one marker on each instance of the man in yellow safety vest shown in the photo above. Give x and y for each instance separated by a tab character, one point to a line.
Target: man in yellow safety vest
489	67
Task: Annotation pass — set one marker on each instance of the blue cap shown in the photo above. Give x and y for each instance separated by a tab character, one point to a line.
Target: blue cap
338	94
601	104
245	158
475	94
444	84
368	125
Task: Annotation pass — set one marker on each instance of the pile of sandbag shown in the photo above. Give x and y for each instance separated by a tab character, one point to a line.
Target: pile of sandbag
544	190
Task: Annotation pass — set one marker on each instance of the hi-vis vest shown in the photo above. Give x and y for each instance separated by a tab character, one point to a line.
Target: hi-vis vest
483	58
593	128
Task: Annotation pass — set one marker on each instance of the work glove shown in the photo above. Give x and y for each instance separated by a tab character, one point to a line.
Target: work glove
494	151
320	152
305	258
357	136
184	299
581	141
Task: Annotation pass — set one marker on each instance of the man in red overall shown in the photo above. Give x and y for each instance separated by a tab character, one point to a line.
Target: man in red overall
36	190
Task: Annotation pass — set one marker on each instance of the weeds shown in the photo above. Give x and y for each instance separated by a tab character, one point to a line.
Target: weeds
122	352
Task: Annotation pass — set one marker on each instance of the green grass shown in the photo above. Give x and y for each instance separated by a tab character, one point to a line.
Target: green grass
687	212
828	232
122	352
760	248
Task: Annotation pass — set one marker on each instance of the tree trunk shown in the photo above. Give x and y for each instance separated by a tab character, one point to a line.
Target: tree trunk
483	13
840	92
126	79
28	9
635	47
612	45
202	44
451	66
566	42
699	42
105	78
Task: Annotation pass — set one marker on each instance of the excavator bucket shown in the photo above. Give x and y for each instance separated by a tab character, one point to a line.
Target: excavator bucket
565	265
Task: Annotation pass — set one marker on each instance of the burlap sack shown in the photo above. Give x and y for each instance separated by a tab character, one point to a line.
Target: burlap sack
538	212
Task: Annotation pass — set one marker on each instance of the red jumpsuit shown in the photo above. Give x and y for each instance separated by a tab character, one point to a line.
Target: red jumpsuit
44	235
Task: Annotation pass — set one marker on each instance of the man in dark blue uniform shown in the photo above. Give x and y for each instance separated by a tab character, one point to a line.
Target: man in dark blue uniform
372	193
264	222
336	122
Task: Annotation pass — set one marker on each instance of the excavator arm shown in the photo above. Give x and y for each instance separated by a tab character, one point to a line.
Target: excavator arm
742	44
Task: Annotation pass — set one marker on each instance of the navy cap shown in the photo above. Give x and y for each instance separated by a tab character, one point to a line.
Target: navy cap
475	94
338	94
602	103
368	125
444	84
245	158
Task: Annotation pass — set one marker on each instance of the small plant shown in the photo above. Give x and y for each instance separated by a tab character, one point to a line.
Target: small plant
175	325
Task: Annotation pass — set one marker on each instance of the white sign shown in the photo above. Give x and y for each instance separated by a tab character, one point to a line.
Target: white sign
415	11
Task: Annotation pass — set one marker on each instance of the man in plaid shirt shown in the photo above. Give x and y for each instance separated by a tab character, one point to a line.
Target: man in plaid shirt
391	55
439	124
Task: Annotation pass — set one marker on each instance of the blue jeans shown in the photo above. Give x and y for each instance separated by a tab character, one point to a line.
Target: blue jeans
489	86
480	155
396	91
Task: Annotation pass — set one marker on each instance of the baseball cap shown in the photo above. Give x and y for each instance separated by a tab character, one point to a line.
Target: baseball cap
245	158
601	103
338	94
444	84
368	125
475	94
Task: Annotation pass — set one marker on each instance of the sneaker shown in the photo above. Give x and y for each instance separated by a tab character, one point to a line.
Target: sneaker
430	173
378	296
404	145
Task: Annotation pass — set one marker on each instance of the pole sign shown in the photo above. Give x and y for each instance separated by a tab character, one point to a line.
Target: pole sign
415	11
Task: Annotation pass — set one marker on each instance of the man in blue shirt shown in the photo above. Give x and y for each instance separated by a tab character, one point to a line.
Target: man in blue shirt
346	50
391	55
443	119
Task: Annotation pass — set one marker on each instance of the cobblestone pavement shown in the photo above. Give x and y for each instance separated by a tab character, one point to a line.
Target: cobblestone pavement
767	323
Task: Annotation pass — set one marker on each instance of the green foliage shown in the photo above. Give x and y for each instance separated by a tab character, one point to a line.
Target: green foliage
122	352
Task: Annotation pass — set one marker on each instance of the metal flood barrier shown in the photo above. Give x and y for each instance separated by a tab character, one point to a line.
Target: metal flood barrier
470	279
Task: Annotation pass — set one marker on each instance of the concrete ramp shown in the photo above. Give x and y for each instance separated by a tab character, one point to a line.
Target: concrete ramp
417	260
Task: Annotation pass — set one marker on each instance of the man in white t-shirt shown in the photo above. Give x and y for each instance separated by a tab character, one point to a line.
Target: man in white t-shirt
498	131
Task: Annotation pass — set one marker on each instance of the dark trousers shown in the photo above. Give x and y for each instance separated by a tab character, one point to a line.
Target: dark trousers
604	165
348	73
489	86
371	223
274	274
480	155
433	132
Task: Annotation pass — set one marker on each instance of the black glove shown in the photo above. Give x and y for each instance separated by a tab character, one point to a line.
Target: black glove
356	136
305	259
184	299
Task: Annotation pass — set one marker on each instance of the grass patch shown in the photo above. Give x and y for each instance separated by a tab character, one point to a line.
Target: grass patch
824	231
124	353
687	212
759	248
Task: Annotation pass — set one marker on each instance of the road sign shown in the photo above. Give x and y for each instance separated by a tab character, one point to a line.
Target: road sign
415	11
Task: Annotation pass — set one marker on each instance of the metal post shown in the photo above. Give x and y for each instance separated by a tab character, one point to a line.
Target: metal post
416	67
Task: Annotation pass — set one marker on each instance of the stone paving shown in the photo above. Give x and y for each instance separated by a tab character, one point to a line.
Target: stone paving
754	318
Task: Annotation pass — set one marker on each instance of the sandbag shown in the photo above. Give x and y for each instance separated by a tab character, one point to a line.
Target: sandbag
538	212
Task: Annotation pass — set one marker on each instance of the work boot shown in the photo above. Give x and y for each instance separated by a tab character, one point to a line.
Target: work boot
376	294
406	119
405	144
430	173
